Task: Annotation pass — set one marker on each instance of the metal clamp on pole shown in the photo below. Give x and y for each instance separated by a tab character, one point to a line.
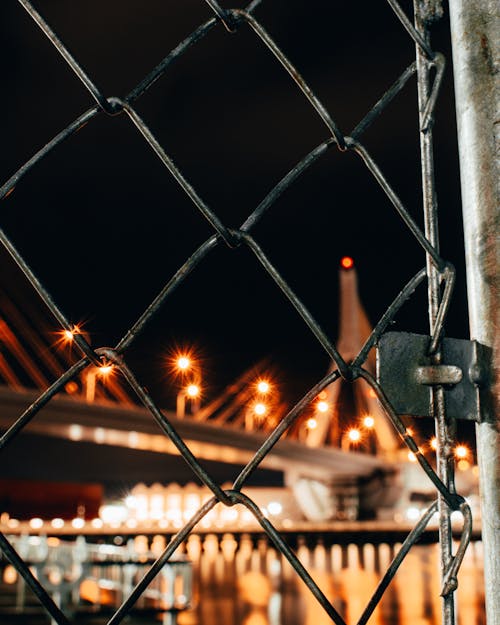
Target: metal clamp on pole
405	372
446	375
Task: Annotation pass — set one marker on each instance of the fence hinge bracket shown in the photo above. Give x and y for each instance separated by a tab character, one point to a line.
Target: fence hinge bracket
406	374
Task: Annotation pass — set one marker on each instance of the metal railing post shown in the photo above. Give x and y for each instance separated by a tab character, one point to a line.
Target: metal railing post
475	35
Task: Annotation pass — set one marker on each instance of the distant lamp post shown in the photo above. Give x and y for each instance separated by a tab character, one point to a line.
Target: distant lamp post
187	367
260	409
351	438
90	379
354	435
192	393
255	415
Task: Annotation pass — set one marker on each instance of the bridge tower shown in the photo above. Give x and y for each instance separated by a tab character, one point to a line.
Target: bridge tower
354	330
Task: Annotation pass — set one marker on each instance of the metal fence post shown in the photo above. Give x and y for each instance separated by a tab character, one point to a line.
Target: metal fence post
475	34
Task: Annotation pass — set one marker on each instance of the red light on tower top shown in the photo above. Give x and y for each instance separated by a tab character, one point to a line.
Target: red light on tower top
347	262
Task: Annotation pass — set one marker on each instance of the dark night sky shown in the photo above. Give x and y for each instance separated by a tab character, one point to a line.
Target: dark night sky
104	225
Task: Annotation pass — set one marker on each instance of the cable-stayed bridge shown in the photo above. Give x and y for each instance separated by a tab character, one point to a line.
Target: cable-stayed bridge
318	448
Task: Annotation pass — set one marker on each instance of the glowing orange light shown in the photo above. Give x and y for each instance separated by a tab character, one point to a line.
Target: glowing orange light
183	363
260	409
10	574
105	370
371	393
354	435
434	443
368	421
311	424
263	386
410	431
463	465
71	387
323	395
347	262
67	336
461	452
193	390
412	457
322	406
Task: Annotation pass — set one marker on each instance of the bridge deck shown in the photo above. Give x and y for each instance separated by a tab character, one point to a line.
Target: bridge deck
135	427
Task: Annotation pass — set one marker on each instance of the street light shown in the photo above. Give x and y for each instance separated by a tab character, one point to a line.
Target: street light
263	386
66	337
260	409
311	424
369	422
192	393
354	435
183	363
350	438
322	406
461	452
90	379
255	415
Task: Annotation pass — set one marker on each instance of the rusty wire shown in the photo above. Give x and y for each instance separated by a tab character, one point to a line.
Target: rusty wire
437	271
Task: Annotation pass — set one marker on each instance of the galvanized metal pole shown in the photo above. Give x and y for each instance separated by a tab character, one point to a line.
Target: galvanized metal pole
475	35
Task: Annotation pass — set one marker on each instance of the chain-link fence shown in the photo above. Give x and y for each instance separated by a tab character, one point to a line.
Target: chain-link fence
440	275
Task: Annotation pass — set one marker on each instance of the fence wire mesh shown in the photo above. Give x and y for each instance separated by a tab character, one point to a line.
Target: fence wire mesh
439	273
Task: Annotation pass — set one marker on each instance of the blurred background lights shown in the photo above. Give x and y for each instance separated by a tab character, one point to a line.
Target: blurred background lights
130	501
75	432
260	409
322	406
113	513
71	387
57	523
105	370
9	574
368	421
412	513
36	523
354	435
193	390
274	508
311	424
463	465
99	435
183	363
461	452
263	386
347	262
